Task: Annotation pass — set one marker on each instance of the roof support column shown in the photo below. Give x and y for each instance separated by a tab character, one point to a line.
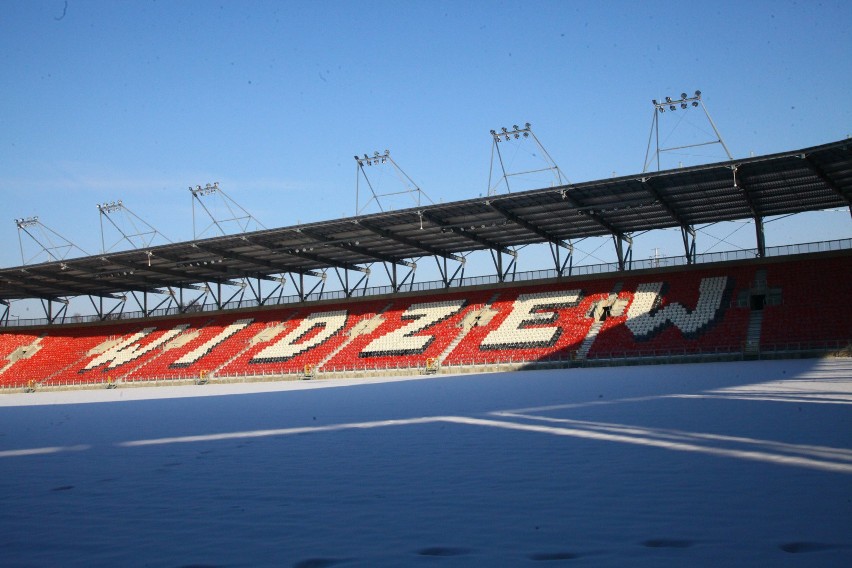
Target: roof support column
445	274
344	281
688	234
4	314
761	241
560	264
300	286
144	304
396	284
217	297
625	257
99	307
185	308
240	292
497	257
48	309
758	220
279	288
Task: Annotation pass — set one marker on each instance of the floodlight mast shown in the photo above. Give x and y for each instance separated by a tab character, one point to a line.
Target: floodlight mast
238	214
411	189
51	243
139	238
518	133
684	103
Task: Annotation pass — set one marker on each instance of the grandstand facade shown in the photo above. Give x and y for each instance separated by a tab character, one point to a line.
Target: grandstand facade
763	301
785	305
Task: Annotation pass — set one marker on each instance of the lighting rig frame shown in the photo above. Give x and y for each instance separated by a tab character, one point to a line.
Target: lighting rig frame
145	235
504	135
685	102
377	159
239	214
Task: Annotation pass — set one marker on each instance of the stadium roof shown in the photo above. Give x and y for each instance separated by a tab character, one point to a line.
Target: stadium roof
810	179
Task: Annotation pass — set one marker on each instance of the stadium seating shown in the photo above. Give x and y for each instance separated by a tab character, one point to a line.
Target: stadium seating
696	309
814	304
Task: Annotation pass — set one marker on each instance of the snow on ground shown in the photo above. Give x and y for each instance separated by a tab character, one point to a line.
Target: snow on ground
728	464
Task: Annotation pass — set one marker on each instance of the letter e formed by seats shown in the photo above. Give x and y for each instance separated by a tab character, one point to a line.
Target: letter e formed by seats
531	309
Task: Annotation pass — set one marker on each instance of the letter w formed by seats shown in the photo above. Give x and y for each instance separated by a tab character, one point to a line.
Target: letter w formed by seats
644	320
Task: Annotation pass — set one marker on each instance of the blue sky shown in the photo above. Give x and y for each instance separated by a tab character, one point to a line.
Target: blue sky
138	100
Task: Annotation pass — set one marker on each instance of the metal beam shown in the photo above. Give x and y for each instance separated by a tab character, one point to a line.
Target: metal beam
24	288
35	278
188	279
625	258
355	248
275	268
670	209
411	242
468	235
830	183
518	220
148	284
686	229
590	213
226	270
87	282
740	184
309	256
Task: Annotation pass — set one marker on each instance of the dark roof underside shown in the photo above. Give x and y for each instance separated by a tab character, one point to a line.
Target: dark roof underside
810	179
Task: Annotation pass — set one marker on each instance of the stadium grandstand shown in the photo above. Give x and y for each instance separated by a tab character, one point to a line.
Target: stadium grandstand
767	301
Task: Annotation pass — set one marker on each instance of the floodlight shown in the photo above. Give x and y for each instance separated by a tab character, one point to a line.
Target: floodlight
668	99
672	107
695	103
697	93
654	102
683	95
528	125
683	105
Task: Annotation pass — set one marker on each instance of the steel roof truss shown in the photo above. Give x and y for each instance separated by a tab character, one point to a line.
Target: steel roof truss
741	185
344	281
283	249
59	290
518	220
99	307
468	234
820	173
411	242
156	269
355	248
251	260
86	282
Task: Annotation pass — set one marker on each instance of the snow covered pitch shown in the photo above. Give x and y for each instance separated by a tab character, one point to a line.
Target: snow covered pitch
725	464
